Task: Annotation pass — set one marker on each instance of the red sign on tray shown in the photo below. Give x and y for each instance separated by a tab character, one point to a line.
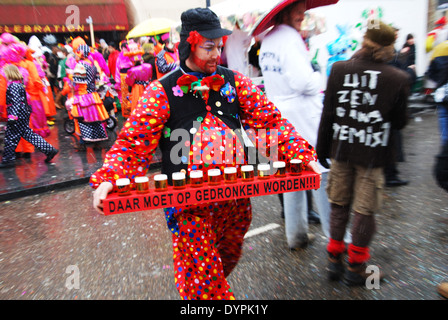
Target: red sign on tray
116	204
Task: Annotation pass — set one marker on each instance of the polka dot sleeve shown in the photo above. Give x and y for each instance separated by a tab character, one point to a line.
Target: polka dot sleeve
131	154
260	115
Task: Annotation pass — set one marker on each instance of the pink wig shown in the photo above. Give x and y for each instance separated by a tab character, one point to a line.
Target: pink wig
13	53
7	38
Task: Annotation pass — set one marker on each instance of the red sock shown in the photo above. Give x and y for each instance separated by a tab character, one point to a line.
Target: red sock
357	255
335	247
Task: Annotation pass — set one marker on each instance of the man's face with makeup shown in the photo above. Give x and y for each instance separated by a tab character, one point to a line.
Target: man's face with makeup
207	55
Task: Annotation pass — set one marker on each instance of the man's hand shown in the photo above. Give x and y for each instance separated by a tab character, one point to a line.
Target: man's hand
100	194
314	167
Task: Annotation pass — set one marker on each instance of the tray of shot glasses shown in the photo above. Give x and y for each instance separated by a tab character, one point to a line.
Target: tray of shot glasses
233	183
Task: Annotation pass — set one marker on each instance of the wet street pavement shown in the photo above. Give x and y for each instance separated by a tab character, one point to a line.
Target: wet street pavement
53	231
70	167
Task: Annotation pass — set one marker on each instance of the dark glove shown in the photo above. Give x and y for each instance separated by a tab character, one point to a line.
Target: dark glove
324	163
315	66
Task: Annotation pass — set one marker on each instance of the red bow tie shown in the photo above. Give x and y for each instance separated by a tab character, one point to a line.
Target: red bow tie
189	82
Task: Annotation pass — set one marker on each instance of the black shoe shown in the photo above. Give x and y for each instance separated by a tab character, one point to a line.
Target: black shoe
7	164
396	182
335	268
51	155
27	155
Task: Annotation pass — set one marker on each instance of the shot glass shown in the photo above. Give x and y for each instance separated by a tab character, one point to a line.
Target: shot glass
230	175
214	176
280	168
161	182
142	184
123	186
264	170
247	172
179	181
295	167
196	178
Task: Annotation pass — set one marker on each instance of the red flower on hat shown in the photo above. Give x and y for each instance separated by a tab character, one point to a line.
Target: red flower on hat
194	38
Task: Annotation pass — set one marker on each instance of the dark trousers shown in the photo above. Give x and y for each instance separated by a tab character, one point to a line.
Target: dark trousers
390	170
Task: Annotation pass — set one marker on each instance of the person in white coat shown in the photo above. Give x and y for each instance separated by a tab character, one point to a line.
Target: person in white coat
294	86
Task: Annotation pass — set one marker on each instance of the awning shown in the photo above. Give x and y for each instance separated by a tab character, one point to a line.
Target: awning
61	16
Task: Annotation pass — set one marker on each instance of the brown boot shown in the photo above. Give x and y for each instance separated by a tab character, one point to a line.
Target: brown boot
357	275
335	267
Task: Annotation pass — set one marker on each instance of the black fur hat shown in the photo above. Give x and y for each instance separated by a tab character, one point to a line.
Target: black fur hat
202	20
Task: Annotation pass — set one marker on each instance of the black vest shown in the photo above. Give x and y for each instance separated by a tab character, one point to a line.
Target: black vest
185	110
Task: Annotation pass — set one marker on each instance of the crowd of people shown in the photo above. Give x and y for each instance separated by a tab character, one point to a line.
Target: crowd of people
163	86
69	77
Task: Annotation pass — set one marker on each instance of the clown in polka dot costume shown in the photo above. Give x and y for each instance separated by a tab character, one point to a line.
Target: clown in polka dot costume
207	238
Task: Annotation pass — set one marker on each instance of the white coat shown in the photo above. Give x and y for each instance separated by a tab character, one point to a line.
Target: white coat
290	82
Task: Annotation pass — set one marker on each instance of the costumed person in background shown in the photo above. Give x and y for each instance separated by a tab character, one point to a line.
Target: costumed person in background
68	90
205	100
123	64
437	35
168	58
15	53
104	85
46	95
101	65
359	149
24	148
5	40
114	52
19	111
437	42
148	57
139	76
87	106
